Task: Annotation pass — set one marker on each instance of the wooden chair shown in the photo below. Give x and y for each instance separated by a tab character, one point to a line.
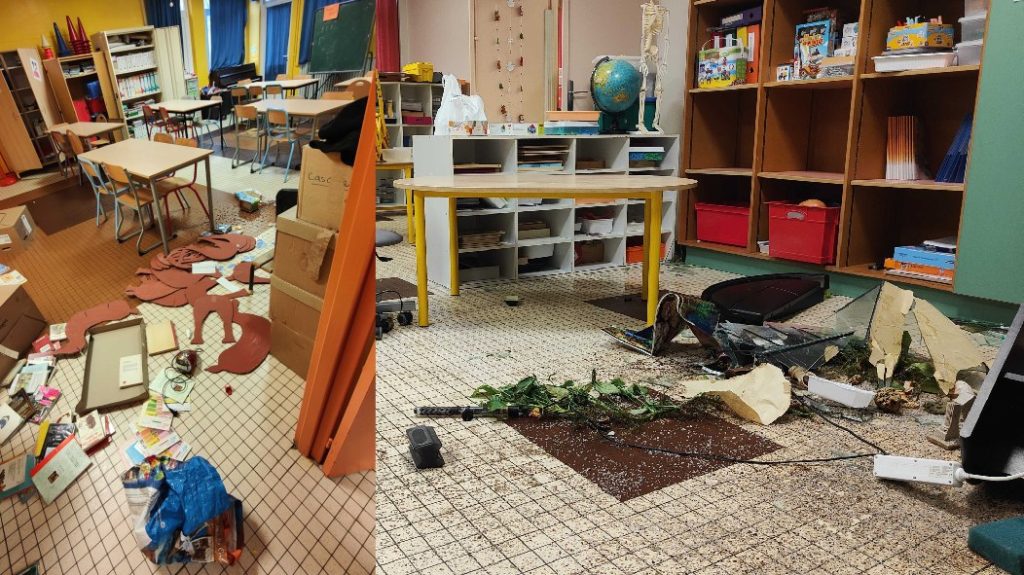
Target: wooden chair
212	121
247	125
273	91
136	198
60	143
101	186
278	130
174	124
163	138
174	185
255	93
303	76
337	95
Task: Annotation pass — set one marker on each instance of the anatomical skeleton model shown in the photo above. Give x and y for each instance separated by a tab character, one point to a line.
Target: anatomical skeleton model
655	28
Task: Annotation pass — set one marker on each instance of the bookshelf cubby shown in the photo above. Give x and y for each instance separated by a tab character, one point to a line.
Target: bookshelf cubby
825	138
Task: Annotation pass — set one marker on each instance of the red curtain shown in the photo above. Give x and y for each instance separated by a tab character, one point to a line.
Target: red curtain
388	59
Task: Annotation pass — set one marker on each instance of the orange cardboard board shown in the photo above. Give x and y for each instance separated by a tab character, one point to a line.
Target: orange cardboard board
323	188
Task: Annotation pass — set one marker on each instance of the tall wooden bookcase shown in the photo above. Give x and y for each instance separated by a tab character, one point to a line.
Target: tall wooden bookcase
26	111
826	138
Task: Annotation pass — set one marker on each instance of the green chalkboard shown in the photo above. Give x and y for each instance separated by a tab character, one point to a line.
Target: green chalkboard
341	44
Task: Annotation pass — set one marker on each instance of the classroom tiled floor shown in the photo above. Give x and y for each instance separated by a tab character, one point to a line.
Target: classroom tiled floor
296	520
502	505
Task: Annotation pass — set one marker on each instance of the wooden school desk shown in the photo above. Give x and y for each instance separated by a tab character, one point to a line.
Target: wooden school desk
185	109
651	189
286	85
148	160
88	129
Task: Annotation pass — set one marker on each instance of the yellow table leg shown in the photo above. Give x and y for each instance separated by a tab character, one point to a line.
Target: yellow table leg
421	264
453	245
653	249
411	235
647	239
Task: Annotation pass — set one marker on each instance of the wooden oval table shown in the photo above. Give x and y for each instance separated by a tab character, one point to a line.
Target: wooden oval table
648	188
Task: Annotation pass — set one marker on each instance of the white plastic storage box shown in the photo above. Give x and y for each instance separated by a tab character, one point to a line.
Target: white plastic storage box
972	28
534	252
969	53
975	7
902	62
597	227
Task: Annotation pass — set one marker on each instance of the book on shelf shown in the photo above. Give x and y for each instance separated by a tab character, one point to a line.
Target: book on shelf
813	44
903	156
919	271
954	165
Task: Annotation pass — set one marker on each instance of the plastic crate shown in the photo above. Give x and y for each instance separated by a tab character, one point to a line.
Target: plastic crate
972	28
802	233
635	254
722	224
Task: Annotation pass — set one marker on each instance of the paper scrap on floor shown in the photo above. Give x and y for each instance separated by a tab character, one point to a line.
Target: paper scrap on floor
155	415
58	332
130	370
762	395
172	386
885	335
950	348
208	267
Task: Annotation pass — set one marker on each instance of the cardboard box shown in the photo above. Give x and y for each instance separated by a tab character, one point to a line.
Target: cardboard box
323	188
303	253
20	324
294	307
290	348
16	228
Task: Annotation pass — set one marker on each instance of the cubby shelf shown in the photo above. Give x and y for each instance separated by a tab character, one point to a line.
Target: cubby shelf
557	253
824	138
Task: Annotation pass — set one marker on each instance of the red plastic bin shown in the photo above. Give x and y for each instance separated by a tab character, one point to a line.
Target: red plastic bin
722	224
803	233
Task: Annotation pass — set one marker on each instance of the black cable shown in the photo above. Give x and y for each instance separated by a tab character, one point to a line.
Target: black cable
728	459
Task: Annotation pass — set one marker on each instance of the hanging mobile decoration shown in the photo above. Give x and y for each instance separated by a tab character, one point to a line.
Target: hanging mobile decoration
497	16
507	65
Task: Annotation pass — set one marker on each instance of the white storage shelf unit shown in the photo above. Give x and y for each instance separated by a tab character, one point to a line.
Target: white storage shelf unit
397	92
517	257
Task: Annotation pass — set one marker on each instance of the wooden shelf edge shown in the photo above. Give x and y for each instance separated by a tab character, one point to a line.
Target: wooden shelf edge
839	82
910	185
968	69
804	176
725	89
721	171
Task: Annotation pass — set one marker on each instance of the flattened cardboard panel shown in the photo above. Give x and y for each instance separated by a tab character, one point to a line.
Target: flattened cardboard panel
624	472
108	344
628	305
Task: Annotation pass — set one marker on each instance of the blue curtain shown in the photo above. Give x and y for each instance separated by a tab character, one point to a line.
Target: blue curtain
163	13
227	32
275	54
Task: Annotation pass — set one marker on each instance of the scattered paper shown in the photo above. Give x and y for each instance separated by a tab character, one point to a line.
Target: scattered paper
44	398
12	278
179	407
949	346
10	420
229	285
30	378
153	442
885	335
130	370
208	267
132	454
155	415
58	332
761	396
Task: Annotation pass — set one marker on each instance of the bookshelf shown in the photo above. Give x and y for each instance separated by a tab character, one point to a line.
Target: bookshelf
137	65
447	155
26	111
824	138
425	96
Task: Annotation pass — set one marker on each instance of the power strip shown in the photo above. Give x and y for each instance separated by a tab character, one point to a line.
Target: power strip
935	471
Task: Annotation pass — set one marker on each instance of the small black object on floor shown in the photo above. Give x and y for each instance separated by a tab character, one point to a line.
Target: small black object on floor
425	447
774	297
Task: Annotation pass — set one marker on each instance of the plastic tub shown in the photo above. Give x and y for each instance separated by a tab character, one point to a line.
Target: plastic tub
972	28
969	53
635	254
802	233
902	62
975	7
722	224
597	227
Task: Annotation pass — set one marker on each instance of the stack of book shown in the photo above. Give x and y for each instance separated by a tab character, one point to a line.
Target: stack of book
954	165
412	114
933	260
542	158
571	123
903	151
744	27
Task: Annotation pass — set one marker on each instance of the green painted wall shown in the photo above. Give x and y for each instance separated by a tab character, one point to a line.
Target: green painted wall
990	258
955	306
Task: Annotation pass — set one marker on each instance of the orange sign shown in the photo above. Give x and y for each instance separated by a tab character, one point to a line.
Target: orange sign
331	12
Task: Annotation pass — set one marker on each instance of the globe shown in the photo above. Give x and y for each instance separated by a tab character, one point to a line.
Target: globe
615	85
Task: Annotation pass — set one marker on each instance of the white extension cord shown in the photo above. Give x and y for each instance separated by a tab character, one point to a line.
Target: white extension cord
935	471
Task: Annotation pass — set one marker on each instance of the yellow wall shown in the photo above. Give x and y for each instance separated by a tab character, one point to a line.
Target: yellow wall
293	39
252	36
197	26
24	21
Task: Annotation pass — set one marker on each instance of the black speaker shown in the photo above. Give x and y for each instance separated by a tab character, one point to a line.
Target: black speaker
425	447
